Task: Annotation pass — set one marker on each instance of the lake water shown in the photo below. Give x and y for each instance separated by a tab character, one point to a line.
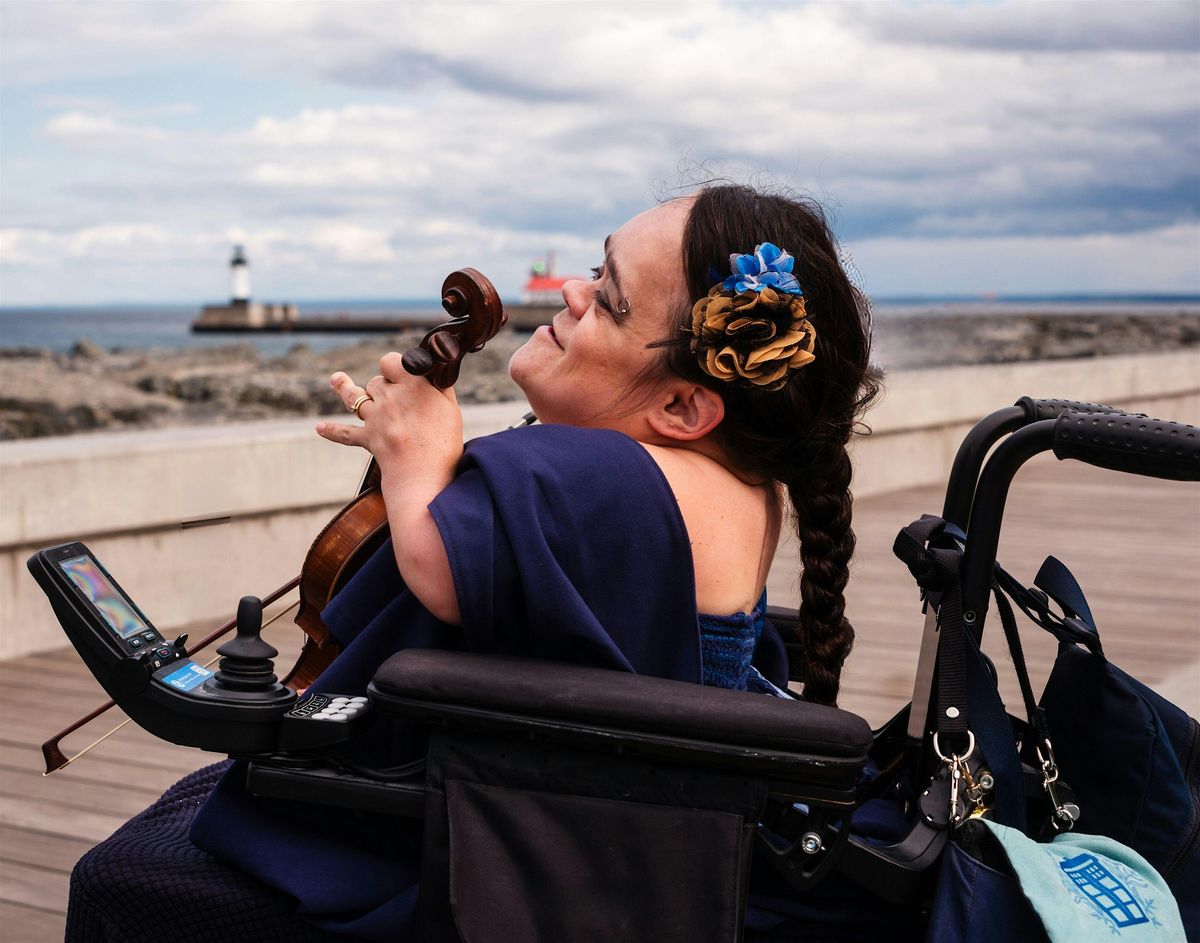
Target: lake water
168	325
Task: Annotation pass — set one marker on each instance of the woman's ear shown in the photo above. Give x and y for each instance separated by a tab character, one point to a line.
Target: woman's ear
687	412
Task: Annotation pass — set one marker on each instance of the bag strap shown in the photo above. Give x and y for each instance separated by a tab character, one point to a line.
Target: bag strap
1069	629
1054	581
1008	620
929	548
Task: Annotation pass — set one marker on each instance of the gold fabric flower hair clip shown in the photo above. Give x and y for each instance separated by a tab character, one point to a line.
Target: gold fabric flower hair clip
752	328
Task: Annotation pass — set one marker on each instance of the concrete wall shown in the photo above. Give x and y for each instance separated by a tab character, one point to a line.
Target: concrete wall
125	494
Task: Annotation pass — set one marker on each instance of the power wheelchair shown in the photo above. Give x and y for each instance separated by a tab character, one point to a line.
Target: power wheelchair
614	805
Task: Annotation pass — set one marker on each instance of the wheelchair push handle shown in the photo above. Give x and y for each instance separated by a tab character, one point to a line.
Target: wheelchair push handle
1039	409
1139	445
1152	448
964	475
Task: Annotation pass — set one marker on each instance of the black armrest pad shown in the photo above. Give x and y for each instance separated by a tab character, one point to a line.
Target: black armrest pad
599	697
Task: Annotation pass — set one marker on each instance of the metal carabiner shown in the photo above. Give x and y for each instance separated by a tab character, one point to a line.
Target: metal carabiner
1065	814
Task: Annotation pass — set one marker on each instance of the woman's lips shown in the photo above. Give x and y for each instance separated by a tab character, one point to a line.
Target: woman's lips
554	336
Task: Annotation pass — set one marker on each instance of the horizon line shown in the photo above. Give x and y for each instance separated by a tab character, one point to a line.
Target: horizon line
979	297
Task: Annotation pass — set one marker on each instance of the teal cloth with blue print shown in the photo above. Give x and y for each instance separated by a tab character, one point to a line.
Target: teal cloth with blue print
1088	887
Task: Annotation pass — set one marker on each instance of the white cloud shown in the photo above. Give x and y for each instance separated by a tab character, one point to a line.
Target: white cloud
512	128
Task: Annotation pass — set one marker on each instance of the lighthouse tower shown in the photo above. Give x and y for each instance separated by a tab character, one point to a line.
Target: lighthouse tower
242	314
240	270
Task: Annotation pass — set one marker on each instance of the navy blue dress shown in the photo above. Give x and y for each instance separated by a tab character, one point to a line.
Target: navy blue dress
565	544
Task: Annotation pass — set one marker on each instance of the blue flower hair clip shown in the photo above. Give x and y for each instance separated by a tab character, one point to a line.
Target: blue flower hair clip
767	266
752	328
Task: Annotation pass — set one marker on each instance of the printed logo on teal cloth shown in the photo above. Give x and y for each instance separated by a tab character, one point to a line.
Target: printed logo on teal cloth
1106	892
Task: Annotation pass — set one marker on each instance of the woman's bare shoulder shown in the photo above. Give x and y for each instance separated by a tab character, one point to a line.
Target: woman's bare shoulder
733	526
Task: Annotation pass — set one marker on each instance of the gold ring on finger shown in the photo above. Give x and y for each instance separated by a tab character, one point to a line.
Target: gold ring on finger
357	404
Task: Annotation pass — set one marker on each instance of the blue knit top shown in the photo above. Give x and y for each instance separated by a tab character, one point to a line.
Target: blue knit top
727	645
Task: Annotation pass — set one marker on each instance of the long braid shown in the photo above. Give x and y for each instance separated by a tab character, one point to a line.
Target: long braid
823	506
796	435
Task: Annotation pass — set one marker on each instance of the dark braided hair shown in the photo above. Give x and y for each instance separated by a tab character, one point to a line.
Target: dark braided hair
796	435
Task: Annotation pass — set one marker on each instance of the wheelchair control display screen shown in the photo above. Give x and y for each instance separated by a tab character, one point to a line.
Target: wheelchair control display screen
109	616
117	611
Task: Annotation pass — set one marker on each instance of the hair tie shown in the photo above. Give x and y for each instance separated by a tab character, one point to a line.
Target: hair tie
752	328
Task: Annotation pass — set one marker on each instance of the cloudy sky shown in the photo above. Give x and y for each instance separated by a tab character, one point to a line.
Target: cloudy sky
363	150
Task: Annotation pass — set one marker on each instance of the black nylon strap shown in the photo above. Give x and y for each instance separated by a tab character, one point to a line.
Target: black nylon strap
952	672
1008	619
936	571
1071	630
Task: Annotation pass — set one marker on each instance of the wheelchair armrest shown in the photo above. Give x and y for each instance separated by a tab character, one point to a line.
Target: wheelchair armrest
811	746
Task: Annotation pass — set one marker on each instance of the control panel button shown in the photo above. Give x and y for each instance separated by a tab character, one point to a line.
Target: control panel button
135	642
164	651
149	637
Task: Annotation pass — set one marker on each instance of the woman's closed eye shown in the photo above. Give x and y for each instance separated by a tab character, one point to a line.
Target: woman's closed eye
621	310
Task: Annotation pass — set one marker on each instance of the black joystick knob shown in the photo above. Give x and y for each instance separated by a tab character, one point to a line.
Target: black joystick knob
246	660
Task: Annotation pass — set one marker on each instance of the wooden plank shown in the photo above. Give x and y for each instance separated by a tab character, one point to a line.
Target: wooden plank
95	768
43	849
131	745
24	924
33	887
124	798
38	815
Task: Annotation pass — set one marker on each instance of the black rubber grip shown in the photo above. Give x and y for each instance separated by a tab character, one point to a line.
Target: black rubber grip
1037	409
1155	448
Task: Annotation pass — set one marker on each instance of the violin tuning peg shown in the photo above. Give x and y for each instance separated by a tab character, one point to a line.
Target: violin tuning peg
445	347
417	361
454	301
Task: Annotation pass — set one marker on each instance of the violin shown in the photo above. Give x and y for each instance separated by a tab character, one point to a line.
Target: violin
361	527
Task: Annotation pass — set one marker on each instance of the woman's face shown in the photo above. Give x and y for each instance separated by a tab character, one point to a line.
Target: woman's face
578	370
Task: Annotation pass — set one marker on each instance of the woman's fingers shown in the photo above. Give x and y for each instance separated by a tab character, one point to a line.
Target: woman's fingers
347	390
375	386
391	365
342	433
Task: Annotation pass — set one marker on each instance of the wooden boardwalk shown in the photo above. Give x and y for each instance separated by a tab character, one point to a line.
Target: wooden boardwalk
1134	544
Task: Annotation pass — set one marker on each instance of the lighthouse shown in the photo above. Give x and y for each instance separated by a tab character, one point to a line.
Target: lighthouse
242	314
240	270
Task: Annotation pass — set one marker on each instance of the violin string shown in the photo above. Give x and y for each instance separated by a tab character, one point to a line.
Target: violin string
95	743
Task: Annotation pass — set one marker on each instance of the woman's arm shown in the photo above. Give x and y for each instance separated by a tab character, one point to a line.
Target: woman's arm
414	430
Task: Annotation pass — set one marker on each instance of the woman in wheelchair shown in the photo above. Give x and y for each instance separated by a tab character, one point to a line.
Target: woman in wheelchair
704	385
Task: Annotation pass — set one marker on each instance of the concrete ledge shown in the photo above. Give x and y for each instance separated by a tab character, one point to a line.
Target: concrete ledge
924	414
125	494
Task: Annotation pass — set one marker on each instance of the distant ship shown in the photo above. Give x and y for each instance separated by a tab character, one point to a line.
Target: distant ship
541	298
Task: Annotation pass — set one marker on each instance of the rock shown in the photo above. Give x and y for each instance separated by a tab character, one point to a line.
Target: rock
85	349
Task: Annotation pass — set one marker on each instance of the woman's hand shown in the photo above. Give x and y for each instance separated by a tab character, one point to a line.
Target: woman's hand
408	424
415	432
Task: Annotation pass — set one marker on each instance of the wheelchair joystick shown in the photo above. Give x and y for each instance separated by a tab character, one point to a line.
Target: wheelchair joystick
246	667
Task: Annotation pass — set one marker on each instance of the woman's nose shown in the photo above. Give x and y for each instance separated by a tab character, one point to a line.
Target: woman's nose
578	296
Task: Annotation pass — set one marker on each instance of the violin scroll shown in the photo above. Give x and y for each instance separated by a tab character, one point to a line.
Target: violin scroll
477	315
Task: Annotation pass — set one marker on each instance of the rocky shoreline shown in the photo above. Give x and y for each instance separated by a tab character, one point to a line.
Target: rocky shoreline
43	393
